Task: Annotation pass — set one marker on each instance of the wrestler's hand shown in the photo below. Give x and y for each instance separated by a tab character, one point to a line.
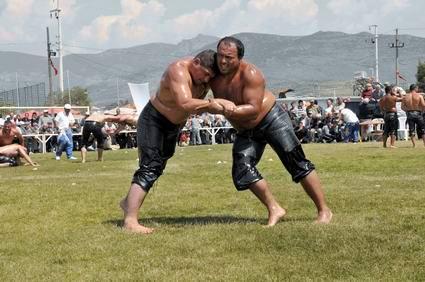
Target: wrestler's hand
215	107
228	106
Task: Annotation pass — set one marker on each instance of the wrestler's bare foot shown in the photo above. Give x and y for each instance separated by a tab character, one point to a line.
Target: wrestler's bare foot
324	217
136	227
275	215
83	161
130	225
393	147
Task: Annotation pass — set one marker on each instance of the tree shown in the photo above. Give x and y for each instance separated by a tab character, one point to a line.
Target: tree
420	75
79	97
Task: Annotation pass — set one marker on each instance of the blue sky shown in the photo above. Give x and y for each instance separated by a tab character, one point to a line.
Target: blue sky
94	25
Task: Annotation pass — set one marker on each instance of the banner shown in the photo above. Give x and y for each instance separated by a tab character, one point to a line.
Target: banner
140	94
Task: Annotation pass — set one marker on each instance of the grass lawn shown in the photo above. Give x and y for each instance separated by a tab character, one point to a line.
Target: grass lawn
61	222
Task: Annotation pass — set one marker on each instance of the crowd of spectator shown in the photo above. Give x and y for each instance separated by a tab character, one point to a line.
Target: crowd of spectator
32	124
335	122
196	130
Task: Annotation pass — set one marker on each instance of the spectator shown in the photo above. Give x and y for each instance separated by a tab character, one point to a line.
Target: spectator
378	93
339	104
301	110
352	125
367	94
195	130
34	119
45	123
64	121
329	107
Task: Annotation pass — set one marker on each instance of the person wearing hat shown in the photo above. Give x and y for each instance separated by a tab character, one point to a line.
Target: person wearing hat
45	122
64	120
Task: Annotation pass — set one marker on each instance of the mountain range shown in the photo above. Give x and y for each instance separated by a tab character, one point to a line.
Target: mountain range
318	64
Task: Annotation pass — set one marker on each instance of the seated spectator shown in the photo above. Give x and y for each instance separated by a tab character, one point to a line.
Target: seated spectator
45	123
340	104
329	107
301	109
367	94
377	93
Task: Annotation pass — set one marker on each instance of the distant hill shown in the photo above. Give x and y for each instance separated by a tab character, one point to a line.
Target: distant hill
319	64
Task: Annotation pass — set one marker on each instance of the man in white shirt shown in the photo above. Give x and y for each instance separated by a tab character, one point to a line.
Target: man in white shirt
352	125
64	120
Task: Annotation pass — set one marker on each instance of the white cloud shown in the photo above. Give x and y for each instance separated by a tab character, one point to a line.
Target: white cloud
132	24
270	16
356	15
18	8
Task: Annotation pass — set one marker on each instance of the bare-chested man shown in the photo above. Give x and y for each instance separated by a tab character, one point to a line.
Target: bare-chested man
413	104
259	121
183	86
388	107
94	125
10	150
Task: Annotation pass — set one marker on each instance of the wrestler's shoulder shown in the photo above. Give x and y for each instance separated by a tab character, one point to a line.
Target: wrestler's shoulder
251	72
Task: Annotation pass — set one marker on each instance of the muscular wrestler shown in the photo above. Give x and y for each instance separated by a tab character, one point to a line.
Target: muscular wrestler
388	107
259	121
413	104
10	151
183	86
94	125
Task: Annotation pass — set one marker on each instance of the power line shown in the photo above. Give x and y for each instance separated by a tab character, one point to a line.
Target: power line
108	67
119	51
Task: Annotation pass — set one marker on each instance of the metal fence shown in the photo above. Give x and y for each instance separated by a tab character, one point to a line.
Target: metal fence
28	96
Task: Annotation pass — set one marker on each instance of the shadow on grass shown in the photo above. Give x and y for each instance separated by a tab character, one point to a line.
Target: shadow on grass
195	220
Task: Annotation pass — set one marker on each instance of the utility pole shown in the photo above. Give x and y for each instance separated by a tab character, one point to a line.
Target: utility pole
49	53
17	88
396	45
59	44
118	95
69	88
375	41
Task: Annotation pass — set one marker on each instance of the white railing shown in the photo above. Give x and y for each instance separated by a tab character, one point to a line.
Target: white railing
43	138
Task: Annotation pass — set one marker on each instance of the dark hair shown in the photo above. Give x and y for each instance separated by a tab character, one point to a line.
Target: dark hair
237	42
388	89
7	122
412	87
330	99
208	59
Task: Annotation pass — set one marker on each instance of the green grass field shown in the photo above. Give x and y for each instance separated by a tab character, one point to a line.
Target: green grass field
61	222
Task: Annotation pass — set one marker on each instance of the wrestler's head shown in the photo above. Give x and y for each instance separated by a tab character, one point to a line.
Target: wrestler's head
7	127
230	52
203	67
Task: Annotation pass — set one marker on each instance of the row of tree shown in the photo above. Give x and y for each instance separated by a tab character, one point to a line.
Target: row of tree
420	75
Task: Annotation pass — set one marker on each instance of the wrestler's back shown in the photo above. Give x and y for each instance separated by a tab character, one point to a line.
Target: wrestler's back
165	100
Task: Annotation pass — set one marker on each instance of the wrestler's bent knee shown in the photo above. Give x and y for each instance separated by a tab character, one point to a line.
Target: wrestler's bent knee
244	174
145	179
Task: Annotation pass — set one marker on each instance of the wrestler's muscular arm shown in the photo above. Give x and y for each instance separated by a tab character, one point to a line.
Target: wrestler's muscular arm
20	138
404	103
252	88
180	86
422	102
382	104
